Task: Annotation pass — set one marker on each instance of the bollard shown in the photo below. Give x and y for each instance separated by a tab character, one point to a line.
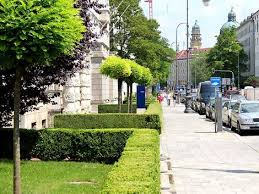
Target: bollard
218	112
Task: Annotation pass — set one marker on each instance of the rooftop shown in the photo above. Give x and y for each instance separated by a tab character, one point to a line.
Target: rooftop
183	54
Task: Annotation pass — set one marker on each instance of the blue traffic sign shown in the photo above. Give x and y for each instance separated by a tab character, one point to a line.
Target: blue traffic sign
215	81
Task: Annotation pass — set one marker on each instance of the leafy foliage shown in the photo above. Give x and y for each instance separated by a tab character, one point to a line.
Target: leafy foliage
147	77
104	120
37	79
36	32
227	53
115	67
141	152
113	108
250	81
59	144
133	36
201	70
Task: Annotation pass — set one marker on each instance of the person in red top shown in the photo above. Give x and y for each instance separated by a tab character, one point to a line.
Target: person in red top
160	98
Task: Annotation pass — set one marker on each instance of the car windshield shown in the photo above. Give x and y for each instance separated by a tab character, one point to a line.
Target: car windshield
232	104
250	107
237	97
207	91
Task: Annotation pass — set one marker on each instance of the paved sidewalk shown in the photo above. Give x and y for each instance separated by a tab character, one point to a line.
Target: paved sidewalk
204	162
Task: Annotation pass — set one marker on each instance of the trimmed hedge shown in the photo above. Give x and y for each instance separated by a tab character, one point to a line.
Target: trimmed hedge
113	108
138	169
107	120
156	108
28	138
59	144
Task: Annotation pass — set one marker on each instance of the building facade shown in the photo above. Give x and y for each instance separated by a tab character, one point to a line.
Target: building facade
248	36
255	19
245	35
178	69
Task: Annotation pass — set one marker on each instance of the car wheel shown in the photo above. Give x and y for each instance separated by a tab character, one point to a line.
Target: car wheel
231	126
239	130
229	122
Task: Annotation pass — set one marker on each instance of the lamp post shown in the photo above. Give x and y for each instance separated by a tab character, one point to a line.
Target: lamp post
238	72
176	50
188	86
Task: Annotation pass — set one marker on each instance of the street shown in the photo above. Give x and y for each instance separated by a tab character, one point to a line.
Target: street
205	162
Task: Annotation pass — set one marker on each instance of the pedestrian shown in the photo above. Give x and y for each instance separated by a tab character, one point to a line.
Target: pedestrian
174	99
168	99
160	98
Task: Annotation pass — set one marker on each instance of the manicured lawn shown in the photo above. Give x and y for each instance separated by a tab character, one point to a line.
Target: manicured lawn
55	177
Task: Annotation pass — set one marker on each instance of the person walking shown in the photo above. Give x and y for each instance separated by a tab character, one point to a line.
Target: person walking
169	99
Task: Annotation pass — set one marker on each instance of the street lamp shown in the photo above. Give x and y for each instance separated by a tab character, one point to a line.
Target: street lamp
188	86
176	50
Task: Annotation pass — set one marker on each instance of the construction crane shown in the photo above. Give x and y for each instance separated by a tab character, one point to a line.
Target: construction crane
150	5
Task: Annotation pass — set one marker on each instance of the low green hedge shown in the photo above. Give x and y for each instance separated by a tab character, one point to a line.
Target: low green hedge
28	140
138	169
59	144
155	108
110	120
113	108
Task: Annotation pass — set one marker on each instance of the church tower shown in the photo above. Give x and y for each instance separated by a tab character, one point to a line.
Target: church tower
196	37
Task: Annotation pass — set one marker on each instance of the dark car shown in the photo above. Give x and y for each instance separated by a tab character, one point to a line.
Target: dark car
205	92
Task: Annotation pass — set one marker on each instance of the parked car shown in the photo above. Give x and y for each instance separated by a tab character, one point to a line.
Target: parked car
213	113
226	111
245	116
205	92
209	107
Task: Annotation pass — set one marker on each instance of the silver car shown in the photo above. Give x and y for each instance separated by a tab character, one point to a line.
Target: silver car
226	111
245	116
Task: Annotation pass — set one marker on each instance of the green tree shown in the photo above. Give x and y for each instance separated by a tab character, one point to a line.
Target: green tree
228	52
116	68
200	69
250	81
32	34
135	77
136	37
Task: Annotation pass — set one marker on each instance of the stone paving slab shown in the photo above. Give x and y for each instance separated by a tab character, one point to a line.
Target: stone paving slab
207	162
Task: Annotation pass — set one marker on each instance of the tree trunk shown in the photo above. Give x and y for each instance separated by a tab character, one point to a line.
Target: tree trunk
119	94
130	97
16	132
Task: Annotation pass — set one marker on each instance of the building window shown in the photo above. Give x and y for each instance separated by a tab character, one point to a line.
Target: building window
44	124
33	125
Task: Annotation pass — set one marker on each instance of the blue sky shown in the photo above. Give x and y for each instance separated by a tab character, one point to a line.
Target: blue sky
210	19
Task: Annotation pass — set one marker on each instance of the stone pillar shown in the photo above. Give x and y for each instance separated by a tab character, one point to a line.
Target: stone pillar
69	96
77	92
85	87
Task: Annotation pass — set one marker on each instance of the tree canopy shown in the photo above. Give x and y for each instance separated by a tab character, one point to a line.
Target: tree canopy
200	69
36	32
135	37
37	79
227	53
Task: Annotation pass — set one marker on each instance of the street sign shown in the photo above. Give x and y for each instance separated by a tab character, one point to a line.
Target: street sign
226	81
215	81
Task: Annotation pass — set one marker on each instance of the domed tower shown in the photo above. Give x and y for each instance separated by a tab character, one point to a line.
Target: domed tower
196	36
232	21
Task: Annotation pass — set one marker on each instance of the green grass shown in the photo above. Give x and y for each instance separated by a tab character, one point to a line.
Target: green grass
55	177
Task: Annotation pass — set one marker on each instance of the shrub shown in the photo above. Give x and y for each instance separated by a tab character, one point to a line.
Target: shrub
28	140
114	120
113	108
138	169
156	108
58	144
